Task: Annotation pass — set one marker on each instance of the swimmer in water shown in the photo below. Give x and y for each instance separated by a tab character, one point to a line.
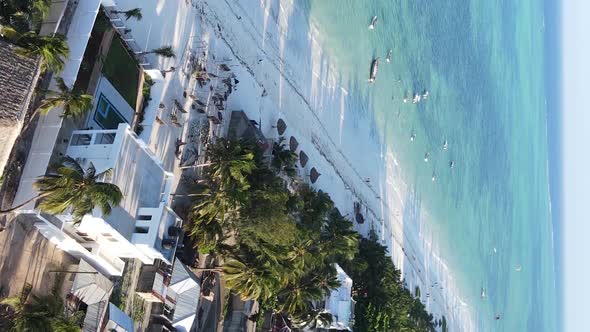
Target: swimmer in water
433	176
412	137
445	145
426	156
452	164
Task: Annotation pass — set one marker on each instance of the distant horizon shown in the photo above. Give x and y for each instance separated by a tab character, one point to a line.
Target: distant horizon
553	94
573	270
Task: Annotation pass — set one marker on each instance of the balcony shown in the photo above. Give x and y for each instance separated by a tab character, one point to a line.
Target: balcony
143	217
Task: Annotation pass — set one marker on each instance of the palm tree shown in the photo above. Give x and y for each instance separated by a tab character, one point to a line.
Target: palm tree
72	187
251	280
165	51
39	313
313	319
131	13
74	103
230	164
51	49
316	206
298	294
337	238
283	158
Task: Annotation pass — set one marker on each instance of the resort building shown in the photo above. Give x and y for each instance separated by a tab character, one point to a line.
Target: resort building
340	303
143	226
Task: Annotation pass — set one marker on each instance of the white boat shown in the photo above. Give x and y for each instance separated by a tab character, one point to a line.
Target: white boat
388	58
373	22
373	73
416	98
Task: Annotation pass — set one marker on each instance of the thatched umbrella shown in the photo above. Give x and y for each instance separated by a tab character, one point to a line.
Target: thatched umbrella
314	175
293	144
281	126
303	158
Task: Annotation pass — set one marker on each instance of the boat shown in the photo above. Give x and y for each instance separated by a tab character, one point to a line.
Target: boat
416	98
388	58
374	67
373	22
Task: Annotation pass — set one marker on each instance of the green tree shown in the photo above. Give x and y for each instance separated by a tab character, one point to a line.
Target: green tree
51	49
74	103
297	295
337	238
131	13
250	280
165	51
70	186
284	160
313	319
39	313
315	208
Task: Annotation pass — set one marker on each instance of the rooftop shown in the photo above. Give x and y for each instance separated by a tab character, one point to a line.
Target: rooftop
18	75
143	217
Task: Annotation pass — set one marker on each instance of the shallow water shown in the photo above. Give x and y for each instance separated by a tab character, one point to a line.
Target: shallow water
483	64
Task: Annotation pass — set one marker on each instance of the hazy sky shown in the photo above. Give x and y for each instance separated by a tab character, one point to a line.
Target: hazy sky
576	158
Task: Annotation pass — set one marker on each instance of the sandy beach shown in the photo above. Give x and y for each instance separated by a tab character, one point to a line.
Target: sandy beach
275	52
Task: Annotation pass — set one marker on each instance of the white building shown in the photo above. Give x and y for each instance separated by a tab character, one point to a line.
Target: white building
143	226
179	292
340	303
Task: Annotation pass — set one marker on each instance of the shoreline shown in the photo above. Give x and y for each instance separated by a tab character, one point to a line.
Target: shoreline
340	178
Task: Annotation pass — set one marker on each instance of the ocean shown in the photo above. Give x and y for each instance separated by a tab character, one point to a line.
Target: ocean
483	63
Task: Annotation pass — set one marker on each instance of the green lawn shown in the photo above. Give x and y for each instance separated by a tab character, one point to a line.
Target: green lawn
121	69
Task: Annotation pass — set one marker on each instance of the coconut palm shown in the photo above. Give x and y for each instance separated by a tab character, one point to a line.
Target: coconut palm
230	164
250	281
337	238
70	186
165	51
51	49
23	14
316	206
298	294
313	319
39	313
284	159
131	13
74	103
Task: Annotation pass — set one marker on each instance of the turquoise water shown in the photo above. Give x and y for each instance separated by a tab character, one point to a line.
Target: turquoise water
483	63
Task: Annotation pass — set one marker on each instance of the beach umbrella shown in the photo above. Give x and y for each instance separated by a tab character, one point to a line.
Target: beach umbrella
314	175
303	158
293	144
281	126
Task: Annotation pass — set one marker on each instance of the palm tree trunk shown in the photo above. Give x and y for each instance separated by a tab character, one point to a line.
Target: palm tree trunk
210	269
14	208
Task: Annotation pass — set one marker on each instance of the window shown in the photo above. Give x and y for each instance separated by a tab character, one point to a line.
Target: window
106	115
141	230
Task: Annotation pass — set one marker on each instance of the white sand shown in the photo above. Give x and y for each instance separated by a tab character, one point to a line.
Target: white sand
304	89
